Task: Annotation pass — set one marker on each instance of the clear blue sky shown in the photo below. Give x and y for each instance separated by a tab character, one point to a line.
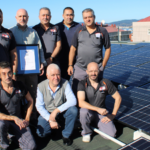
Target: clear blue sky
108	10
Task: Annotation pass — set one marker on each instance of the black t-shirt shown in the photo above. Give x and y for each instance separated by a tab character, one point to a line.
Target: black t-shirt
10	104
7	43
96	97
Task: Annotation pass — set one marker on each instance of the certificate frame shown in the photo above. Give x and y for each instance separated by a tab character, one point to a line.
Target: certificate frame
36	62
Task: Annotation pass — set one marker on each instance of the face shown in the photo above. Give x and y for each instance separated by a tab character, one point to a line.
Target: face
68	16
1	19
6	75
54	76
93	72
44	16
22	17
88	18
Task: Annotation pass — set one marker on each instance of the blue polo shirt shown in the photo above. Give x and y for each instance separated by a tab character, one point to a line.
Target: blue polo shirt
66	37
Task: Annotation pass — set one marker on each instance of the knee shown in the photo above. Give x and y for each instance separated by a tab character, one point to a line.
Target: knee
73	111
83	112
42	134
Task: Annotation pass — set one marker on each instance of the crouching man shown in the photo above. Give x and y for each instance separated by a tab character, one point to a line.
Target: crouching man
91	98
55	99
11	121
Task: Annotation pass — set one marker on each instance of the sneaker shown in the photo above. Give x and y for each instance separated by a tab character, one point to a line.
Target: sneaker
86	138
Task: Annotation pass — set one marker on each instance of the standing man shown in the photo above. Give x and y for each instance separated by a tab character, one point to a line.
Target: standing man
88	41
91	94
50	37
25	35
11	120
8	47
67	29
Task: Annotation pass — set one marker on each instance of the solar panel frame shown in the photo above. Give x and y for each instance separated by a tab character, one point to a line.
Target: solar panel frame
139	144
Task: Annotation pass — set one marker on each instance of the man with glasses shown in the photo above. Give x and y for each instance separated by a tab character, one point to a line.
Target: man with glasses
91	95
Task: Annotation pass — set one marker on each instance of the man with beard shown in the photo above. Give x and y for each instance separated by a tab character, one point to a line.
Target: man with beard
50	37
67	29
91	95
11	120
8	47
88	42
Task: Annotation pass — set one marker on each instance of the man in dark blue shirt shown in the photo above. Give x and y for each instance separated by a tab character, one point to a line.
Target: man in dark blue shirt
67	29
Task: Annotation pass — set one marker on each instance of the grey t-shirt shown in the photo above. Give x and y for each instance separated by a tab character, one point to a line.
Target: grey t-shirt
89	46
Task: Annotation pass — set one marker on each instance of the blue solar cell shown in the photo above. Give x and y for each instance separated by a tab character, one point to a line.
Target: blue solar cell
135	108
147	86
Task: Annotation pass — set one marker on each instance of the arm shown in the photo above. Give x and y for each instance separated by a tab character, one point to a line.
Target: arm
106	56
110	117
83	104
40	106
30	106
55	52
71	58
14	62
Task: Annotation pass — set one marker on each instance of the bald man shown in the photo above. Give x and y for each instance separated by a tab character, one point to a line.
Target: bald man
91	99
25	35
55	101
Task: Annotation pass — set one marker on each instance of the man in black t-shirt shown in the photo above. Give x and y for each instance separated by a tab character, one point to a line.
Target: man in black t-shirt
91	98
11	121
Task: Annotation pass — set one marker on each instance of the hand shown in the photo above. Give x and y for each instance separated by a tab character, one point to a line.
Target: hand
102	111
14	77
54	125
53	115
49	61
108	118
19	122
26	123
70	70
42	69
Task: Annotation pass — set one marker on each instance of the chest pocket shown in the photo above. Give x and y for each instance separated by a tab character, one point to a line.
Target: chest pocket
97	40
5	41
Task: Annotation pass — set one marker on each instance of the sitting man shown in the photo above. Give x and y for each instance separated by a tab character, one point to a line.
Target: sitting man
11	121
91	98
55	99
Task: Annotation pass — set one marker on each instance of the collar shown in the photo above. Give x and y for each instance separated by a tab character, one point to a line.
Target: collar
73	23
97	28
22	30
50	26
55	90
14	85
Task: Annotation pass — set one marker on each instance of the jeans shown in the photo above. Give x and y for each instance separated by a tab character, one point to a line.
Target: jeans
70	116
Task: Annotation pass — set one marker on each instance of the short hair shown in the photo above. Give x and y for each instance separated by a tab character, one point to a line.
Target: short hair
1	11
68	8
52	66
45	8
88	10
5	64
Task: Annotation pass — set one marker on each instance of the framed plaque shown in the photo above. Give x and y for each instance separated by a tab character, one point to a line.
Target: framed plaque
28	59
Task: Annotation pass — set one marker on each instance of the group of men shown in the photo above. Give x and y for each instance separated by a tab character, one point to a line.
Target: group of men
65	49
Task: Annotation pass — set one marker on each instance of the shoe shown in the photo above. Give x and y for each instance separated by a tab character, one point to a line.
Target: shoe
67	141
86	138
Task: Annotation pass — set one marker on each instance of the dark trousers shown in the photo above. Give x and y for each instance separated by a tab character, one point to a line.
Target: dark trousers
24	136
70	116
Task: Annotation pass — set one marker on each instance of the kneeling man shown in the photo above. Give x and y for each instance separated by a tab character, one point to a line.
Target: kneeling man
11	120
91	98
55	99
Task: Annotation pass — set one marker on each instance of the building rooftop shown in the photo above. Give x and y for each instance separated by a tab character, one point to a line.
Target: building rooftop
147	19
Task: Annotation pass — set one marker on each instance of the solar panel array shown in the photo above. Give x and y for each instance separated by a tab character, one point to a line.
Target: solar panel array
135	108
146	86
137	60
139	144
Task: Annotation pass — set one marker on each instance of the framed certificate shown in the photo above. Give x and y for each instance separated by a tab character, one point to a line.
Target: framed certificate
28	59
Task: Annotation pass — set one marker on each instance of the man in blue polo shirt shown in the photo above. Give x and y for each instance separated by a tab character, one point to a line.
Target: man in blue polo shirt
67	29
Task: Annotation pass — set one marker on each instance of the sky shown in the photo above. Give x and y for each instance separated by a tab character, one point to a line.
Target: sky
108	10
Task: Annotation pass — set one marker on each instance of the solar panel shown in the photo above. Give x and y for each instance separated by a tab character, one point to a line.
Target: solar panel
127	75
147	86
139	144
146	66
135	108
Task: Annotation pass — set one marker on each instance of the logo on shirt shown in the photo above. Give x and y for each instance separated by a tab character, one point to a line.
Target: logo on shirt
102	89
53	30
98	35
5	36
18	91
